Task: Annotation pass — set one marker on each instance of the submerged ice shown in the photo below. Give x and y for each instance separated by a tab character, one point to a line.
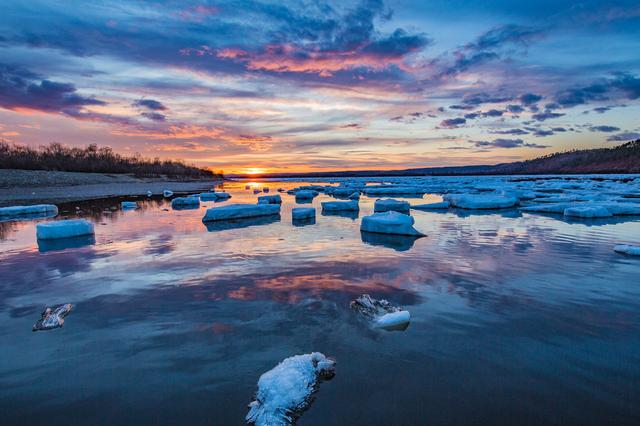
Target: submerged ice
381	313
52	317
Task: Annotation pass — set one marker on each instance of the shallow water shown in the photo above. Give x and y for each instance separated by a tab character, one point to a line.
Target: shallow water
516	318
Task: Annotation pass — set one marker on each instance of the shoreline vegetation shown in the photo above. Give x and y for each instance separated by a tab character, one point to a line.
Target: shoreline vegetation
94	159
621	159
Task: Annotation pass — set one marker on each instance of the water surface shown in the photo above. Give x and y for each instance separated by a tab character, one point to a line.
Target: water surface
516	318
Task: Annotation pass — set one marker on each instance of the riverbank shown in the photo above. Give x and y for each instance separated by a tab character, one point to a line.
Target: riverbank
39	186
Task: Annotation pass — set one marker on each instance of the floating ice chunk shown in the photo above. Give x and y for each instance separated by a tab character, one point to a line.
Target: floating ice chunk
354	196
382	313
442	205
240	211
393	190
167	193
64	229
265	189
129	205
588	212
305	194
185	202
622	209
53	317
281	190
285	391
37	209
208	196
303	213
339	191
222	195
149	193
558	208
627	249
480	201
270	199
340	206
389	204
390	223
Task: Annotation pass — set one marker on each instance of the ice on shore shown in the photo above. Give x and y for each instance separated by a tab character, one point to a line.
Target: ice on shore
303	213
270	199
442	205
389	204
285	391
390	223
340	206
185	202
627	249
240	211
129	205
588	212
481	201
37	209
64	229
381	313
53	317
167	193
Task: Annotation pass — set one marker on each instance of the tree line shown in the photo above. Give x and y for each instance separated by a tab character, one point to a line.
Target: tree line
93	159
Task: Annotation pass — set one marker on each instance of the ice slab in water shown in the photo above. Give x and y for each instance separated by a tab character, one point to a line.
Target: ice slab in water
303	213
167	193
587	212
340	206
185	202
240	211
627	249
354	196
393	190
389	204
270	199
285	391
390	223
53	317
225	225
381	313
305	194
129	205
481	201
37	209
64	229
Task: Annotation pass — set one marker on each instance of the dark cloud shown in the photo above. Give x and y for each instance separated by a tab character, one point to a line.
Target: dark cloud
493	113
624	137
155	116
150	104
506	143
530	98
21	88
605	129
543	133
511	132
515	109
504	34
621	86
546	115
558	129
452	123
472	115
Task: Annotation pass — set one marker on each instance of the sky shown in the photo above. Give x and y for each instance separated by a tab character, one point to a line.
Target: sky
315	85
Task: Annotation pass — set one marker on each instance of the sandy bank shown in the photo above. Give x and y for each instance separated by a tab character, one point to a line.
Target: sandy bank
38	186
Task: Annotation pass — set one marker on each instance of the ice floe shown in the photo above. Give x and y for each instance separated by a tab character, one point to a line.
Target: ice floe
627	249
53	317
270	199
37	209
390	223
355	196
64	229
481	201
167	193
285	391
381	313
303	213
185	202
129	205
393	190
389	204
240	211
340	206
588	212
305	195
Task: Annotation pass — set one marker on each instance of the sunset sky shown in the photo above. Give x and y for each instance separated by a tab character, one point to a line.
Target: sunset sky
321	85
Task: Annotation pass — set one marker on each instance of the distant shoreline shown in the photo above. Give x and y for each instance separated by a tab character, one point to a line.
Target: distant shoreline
40	186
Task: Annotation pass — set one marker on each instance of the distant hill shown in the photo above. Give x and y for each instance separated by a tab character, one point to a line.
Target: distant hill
624	158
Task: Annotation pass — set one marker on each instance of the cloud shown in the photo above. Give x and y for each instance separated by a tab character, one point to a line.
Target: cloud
546	115
624	137
155	116
530	98
493	113
506	143
22	89
452	123
150	104
515	109
511	132
605	129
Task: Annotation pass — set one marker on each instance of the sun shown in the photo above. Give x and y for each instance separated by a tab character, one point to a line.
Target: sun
254	171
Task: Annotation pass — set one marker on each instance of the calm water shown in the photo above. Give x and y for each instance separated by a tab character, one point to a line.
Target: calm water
516	319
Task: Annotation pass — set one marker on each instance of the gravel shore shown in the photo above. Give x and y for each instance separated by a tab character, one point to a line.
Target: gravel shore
38	186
